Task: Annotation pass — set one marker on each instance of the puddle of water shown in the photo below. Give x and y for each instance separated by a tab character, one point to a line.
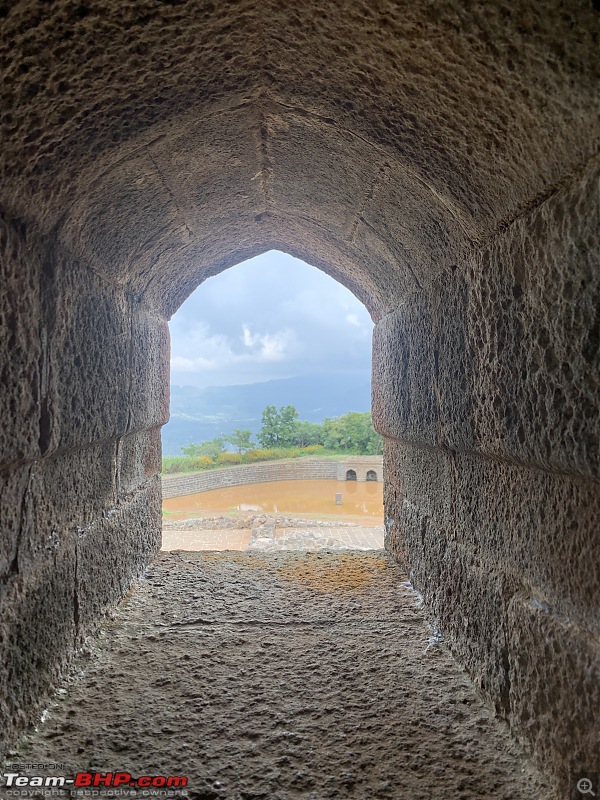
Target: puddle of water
358	499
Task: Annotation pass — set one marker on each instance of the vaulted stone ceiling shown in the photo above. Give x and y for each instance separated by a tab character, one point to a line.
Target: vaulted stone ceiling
159	142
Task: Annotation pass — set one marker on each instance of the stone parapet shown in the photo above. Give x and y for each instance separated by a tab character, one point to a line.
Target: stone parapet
303	469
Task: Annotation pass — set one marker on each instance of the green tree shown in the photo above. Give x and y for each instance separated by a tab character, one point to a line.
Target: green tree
241	440
352	432
307	433
210	448
278	426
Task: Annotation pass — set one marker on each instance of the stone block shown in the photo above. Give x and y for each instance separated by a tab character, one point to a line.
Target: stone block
209	157
148	372
404	402
86	477
469	601
37	636
89	333
466	597
554	672
424	476
537	526
533	321
422	357
501	356
104	232
14	485
20	345
342	170
466	600
453	359
419	236
139	459
391	278
114	550
473	532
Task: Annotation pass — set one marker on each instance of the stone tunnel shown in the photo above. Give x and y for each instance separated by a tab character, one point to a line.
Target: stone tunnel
440	159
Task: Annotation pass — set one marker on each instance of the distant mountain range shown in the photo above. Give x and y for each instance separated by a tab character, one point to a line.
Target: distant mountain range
201	414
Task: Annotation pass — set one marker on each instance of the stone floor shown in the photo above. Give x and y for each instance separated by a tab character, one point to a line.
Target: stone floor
277	676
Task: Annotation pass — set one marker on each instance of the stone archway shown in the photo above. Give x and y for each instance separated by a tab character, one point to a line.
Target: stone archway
440	161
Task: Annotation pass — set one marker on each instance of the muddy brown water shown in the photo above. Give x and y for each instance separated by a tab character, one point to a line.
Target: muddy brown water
363	500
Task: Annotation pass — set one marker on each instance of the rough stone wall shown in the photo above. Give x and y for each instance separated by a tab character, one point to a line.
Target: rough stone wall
488	388
437	158
79	492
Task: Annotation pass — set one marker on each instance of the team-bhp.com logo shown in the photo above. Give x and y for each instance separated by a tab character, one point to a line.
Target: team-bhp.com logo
91	780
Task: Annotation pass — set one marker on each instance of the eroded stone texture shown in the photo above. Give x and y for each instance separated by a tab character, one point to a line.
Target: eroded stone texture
438	159
20	345
114	550
554	666
70	547
139	129
282	675
486	541
148	401
534	330
75	530
139	457
37	633
494	504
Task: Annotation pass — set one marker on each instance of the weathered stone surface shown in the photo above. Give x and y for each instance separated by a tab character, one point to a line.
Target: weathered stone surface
283	675
139	459
479	536
404	402
534	332
540	527
85	477
88	357
378	91
14	485
56	596
35	518
20	344
37	635
467	597
554	670
399	75
328	200
440	160
113	551
504	358
148	371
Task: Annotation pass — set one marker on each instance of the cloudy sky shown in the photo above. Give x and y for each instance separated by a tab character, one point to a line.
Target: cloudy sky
270	317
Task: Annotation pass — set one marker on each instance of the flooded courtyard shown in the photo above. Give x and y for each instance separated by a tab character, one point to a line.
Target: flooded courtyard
358	500
278	515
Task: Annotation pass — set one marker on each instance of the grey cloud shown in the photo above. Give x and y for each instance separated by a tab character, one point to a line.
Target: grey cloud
271	317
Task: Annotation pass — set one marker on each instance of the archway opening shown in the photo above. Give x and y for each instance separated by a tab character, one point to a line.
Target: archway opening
270	405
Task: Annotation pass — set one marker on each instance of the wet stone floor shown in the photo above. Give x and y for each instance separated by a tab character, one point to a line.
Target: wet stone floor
272	676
